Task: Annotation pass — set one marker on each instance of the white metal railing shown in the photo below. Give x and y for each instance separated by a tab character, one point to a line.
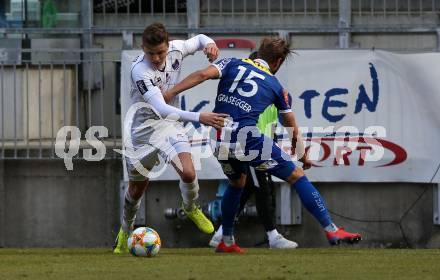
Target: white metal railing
268	7
395	7
44	90
139	12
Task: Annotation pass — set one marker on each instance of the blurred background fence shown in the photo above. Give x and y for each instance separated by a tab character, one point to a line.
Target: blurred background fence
42	90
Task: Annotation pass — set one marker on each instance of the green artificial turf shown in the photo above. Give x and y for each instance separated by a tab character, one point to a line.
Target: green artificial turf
203	263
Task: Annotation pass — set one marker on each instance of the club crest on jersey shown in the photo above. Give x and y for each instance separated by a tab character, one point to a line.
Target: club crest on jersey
141	86
155	81
175	65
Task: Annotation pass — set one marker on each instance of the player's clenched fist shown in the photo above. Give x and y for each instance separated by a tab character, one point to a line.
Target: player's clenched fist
213	119
211	52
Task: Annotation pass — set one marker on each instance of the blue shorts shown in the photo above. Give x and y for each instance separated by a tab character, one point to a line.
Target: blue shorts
267	157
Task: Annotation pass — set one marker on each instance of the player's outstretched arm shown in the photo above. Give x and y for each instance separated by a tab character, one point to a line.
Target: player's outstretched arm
288	120
166	111
198	77
198	43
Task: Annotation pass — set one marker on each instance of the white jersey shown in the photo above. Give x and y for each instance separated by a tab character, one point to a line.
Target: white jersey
146	80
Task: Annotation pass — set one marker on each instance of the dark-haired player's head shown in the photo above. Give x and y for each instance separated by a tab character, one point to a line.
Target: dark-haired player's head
155	43
274	51
253	55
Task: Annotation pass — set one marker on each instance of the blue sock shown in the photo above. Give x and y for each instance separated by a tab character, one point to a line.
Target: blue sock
230	205
312	201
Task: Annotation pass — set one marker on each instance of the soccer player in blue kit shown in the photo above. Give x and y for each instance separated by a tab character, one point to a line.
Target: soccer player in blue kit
246	88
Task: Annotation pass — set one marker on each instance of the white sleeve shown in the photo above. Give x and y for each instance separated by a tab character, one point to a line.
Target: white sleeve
143	82
156	100
190	46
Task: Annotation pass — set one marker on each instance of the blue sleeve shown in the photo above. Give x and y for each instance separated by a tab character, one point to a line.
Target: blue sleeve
283	100
222	65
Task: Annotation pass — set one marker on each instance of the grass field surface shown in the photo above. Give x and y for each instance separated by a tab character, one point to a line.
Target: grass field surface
203	263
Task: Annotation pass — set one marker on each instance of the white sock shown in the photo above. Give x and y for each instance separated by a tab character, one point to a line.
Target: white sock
272	234
190	192
331	228
131	206
219	231
228	240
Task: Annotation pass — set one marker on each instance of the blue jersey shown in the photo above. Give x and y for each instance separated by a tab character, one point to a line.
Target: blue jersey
246	89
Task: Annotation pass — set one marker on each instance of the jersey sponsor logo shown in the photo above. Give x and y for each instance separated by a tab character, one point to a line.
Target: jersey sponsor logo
176	64
235	102
141	86
223	62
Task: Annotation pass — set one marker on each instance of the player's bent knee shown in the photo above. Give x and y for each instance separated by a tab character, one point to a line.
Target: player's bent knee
296	174
188	176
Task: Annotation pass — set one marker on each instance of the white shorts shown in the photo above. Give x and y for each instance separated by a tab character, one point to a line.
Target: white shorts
167	141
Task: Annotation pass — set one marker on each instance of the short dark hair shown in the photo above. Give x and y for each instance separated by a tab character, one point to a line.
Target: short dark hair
155	34
272	49
253	55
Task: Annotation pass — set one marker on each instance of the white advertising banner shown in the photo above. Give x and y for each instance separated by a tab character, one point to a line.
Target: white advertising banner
366	116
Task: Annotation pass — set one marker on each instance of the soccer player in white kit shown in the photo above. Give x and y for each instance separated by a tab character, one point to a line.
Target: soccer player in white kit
153	134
